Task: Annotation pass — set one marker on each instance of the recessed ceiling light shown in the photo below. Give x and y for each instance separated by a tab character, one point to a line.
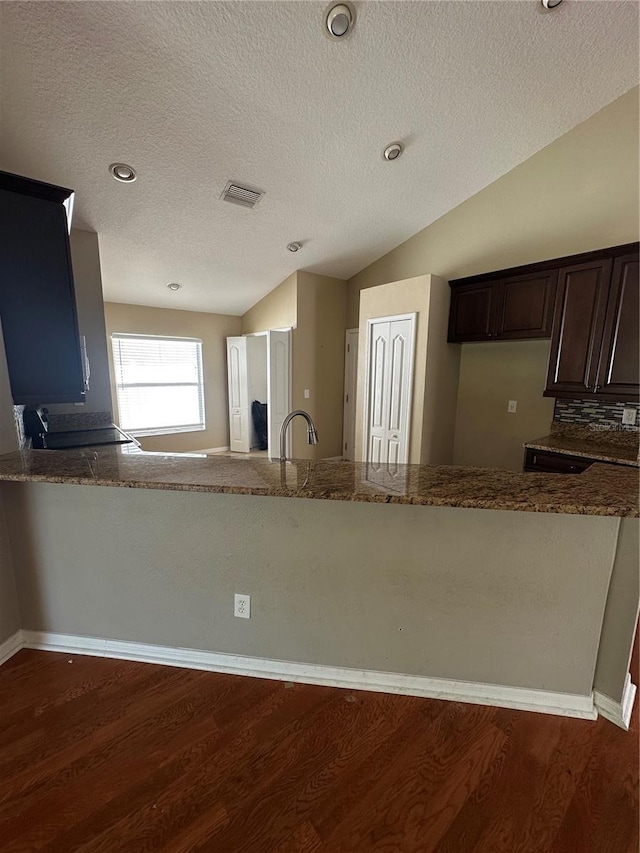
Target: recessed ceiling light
123	173
294	247
174	286
393	151
339	20
551	4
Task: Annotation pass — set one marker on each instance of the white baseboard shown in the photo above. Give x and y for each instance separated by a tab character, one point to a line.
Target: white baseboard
214	449
618	713
11	646
521	698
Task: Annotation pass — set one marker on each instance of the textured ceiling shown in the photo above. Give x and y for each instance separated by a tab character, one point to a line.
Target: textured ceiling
194	94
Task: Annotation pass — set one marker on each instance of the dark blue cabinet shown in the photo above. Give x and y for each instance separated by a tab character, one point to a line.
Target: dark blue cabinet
37	298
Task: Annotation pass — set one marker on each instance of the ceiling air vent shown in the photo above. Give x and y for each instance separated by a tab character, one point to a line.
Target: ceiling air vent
237	194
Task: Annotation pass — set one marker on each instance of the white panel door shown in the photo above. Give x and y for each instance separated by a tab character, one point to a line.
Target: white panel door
239	414
350	384
278	387
389	384
378	392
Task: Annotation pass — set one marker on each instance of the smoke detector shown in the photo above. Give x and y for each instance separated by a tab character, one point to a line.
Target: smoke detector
339	20
174	285
243	195
551	4
294	247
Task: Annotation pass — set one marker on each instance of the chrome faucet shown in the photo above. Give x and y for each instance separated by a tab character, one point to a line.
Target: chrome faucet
312	432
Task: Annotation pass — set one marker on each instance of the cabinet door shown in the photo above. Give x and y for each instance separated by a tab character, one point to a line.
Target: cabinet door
525	306
620	356
471	314
547	462
578	322
37	301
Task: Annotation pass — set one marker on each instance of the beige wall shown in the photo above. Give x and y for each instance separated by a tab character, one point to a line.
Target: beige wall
9	611
433	404
441	378
579	193
477	593
278	309
315	307
318	362
490	375
398	297
621	614
212	329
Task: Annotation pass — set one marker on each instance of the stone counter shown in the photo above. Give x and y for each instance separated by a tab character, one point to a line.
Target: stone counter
603	490
617	448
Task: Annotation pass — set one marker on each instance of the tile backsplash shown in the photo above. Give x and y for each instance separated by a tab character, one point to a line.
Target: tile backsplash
594	413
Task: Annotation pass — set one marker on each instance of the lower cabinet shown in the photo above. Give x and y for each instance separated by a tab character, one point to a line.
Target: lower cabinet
545	461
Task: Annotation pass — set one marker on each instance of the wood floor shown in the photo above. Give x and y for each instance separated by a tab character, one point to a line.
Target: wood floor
104	755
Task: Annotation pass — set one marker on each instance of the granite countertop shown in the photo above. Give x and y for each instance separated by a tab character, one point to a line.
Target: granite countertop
592	445
605	490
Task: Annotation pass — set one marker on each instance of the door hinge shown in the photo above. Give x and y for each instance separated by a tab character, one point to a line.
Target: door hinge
348	347
347	398
345	445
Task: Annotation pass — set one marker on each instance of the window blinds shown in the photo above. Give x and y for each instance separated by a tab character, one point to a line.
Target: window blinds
159	384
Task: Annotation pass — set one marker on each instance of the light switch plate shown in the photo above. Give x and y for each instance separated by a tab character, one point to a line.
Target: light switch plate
512	407
307	393
629	416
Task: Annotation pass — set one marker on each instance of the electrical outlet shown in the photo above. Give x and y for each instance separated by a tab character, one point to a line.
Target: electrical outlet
512	407
629	416
242	606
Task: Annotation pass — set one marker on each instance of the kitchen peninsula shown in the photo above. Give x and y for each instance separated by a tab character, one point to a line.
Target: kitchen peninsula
468	584
603	490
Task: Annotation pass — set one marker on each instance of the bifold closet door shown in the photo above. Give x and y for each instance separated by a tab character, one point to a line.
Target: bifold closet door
389	384
239	414
278	387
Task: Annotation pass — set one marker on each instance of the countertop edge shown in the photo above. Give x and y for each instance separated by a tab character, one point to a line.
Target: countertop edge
490	504
587	454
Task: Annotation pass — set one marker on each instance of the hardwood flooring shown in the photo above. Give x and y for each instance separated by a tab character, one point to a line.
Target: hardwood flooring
102	756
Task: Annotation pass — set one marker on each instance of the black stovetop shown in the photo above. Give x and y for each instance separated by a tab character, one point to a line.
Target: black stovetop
87	438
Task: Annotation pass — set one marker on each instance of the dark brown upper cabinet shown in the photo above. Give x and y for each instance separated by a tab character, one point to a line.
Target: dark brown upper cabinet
525	306
471	314
587	304
595	350
619	366
504	307
581	304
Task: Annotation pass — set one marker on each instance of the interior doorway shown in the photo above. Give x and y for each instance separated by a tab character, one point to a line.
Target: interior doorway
350	386
259	379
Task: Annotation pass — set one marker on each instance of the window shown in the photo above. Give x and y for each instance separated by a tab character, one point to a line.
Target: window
159	384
